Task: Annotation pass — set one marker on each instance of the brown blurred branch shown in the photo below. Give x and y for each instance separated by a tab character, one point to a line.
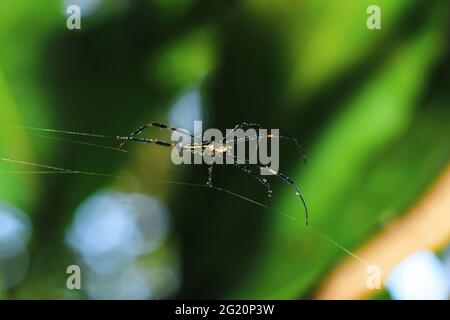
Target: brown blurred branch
425	226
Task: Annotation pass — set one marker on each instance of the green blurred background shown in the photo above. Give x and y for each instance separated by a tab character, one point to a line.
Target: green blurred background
370	106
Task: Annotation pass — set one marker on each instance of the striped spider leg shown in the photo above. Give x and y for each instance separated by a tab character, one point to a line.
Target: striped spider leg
131	137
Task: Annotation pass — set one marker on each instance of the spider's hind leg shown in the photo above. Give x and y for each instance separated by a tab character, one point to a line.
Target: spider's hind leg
291	182
243	125
247	125
210	171
260	179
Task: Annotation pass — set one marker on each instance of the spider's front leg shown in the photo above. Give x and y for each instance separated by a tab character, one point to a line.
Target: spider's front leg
131	136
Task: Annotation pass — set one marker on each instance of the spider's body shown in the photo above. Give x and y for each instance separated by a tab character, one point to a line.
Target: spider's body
213	149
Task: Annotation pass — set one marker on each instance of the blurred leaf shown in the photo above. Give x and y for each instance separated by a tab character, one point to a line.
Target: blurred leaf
294	257
326	37
338	39
19	55
16	189
168	11
184	61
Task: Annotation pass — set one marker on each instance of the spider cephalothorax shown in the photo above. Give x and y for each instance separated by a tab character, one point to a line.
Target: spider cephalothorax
212	149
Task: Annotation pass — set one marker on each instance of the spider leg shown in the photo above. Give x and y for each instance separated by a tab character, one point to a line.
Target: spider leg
149	125
260	179
242	126
146	141
245	167
281	136
293	139
285	178
210	171
259	126
281	176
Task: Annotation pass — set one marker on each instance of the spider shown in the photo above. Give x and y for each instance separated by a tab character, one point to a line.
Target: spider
211	148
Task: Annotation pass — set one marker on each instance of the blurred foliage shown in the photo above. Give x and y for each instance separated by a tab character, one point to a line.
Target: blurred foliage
13	146
184	62
372	123
370	106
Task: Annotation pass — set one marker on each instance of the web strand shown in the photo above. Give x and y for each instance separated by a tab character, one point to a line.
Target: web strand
57	170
